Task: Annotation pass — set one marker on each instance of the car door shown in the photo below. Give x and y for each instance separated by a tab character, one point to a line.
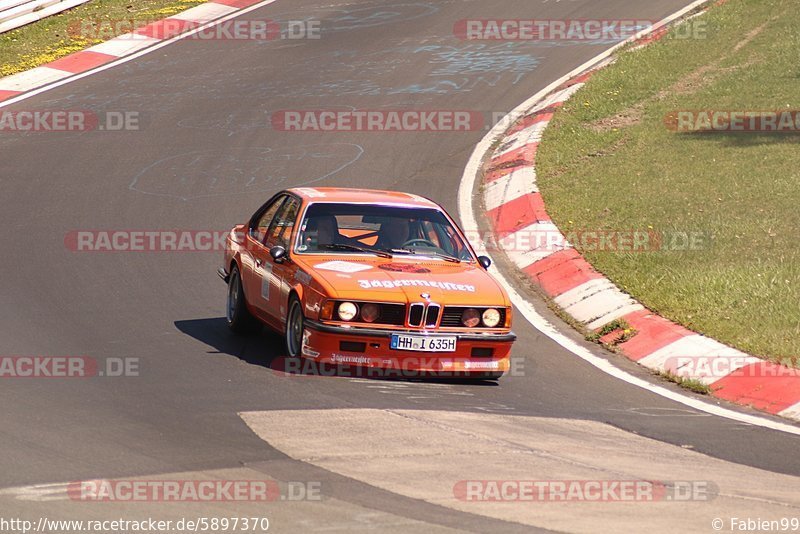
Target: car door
280	233
256	268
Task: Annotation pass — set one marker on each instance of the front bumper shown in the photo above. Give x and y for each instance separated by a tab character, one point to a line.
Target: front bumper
475	354
509	337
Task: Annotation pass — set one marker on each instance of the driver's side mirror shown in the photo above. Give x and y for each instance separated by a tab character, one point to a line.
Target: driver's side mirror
485	261
278	254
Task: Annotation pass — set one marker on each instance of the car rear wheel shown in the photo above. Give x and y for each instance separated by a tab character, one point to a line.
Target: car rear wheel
239	318
294	328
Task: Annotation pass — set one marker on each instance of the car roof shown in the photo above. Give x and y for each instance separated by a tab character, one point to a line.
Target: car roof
366	196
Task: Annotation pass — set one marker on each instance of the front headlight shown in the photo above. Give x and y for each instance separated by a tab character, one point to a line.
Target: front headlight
347	311
491	318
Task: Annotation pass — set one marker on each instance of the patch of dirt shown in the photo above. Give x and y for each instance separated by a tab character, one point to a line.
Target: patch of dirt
629	117
751	35
693	82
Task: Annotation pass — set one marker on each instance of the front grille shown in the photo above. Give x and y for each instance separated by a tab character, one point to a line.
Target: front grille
415	314
432	317
452	316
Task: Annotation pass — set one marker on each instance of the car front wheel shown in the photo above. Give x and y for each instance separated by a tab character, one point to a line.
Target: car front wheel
239	318
294	328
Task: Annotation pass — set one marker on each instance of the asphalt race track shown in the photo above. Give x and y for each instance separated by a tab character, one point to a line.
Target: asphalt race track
204	159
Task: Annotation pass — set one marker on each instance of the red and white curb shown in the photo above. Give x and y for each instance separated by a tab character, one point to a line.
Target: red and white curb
120	46
517	214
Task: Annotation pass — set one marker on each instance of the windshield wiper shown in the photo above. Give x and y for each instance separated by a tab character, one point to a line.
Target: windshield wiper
445	257
341	246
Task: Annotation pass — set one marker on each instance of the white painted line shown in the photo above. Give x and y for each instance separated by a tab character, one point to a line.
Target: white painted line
126	59
681	358
513	185
792	412
16	18
617	313
39	492
31	78
559	97
600	305
526	136
204	12
124	44
470	224
585	290
533	243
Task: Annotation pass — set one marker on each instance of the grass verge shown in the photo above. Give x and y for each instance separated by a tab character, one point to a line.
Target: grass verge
60	35
608	162
691	384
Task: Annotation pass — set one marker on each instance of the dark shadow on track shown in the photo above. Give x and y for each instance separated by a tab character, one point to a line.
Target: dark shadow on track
261	349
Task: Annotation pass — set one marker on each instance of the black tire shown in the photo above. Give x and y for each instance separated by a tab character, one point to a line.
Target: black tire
295	328
239	318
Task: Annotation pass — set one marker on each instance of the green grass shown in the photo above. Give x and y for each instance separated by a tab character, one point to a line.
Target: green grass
692	384
607	161
50	38
621	326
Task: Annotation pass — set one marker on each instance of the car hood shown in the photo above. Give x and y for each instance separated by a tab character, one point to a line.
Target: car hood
405	280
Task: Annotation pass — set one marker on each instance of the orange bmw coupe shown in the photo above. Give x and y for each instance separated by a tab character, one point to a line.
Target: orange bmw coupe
366	278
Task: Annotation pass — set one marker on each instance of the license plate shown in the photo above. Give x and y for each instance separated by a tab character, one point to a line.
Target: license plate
423	343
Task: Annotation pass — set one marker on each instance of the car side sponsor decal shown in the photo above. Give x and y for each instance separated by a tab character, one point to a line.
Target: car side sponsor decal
342	266
345	358
302	277
390	284
306	350
266	276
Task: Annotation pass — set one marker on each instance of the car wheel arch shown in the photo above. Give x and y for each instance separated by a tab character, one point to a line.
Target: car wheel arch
296	292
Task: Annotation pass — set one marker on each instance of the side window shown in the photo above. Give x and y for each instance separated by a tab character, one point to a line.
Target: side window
452	244
259	231
280	231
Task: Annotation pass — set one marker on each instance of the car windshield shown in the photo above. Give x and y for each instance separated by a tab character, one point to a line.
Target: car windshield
366	228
